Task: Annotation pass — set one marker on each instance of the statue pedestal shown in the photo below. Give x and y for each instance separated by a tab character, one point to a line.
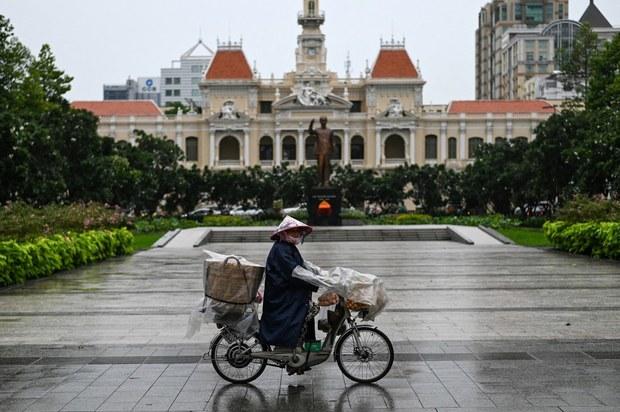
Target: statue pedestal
324	206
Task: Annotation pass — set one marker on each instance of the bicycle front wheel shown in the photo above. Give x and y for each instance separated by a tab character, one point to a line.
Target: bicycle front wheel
364	354
233	360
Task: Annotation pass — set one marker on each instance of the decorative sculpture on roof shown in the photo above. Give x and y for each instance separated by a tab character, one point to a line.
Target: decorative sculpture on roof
395	109
310	97
228	111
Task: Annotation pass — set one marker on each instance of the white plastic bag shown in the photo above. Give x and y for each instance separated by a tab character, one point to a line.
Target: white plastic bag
242	319
359	287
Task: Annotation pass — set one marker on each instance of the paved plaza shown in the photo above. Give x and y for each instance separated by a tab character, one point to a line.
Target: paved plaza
475	328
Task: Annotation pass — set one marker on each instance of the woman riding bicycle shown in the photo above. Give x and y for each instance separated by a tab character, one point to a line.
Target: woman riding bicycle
286	299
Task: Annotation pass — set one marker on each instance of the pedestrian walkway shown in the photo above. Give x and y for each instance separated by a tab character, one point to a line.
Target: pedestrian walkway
475	328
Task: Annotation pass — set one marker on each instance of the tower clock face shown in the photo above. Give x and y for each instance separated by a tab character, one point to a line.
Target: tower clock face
311	51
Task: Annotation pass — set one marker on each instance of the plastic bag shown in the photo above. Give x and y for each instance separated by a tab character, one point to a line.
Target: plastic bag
359	287
240	318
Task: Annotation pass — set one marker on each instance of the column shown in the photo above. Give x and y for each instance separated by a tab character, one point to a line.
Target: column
508	126
212	149
412	132
533	127
378	148
278	149
489	128
443	138
346	148
132	127
463	140
301	147
246	147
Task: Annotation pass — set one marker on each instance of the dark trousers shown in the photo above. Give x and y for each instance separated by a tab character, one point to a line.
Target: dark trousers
310	332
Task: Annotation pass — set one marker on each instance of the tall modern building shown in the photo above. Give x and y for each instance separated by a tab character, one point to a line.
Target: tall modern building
533	57
494	21
144	88
180	82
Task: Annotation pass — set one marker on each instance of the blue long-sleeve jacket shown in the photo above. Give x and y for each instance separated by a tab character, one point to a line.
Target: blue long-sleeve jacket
286	300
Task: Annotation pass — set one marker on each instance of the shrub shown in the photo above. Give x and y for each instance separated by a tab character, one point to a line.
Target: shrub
20	221
227	221
21	261
536	222
599	239
301	215
353	214
162	224
583	209
402	219
492	221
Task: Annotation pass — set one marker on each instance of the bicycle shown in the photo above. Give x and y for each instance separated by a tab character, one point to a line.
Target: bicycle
363	353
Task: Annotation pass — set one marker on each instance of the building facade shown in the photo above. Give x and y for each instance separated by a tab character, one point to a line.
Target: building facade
494	20
144	88
380	120
519	40
180	82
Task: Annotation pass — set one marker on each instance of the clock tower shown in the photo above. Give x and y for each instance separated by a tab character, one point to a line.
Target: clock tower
311	53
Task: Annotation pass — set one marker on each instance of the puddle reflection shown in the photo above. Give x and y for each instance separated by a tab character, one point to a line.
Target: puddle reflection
300	398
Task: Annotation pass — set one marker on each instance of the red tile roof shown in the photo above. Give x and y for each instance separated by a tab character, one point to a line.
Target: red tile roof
119	107
500	106
229	65
392	64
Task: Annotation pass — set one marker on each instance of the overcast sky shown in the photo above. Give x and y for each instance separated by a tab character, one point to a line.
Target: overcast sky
101	42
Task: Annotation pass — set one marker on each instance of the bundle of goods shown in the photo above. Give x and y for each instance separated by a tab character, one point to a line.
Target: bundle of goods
361	291
231	284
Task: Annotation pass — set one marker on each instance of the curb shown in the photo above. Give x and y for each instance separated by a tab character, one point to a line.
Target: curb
204	239
495	234
165	239
457	237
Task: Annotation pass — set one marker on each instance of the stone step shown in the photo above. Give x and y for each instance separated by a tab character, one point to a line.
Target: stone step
336	235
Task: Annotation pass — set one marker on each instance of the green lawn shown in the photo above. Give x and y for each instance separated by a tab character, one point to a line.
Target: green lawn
143	241
526	236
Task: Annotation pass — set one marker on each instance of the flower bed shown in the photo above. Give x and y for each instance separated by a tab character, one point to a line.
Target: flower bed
43	256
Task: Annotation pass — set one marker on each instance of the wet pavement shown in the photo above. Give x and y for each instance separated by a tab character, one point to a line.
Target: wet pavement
475	328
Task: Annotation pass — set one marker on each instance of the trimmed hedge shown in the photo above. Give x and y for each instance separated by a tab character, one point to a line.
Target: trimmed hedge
598	239
21	261
20	221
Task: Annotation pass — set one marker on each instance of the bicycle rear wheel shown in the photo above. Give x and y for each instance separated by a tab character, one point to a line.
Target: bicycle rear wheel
233	362
366	360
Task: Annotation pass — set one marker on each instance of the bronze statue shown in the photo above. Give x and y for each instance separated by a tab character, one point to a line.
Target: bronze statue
324	146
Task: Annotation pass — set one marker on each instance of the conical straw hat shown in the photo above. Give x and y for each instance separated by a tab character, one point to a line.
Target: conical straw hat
290	223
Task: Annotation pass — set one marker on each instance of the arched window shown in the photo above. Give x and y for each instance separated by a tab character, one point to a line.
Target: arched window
265	148
311	8
289	149
357	148
500	140
519	139
474	144
452	148
395	147
229	149
191	149
310	147
337	152
430	147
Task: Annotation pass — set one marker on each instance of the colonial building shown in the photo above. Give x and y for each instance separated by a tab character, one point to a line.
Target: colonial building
380	120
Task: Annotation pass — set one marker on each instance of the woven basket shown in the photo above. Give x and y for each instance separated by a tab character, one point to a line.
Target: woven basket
232	282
